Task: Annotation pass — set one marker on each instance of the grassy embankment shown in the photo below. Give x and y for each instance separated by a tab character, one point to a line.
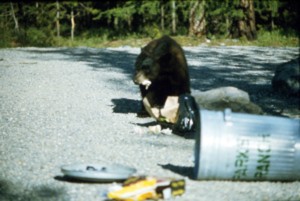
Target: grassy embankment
266	39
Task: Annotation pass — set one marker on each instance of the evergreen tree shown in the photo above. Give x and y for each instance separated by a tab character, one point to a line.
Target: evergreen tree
39	23
244	24
197	18
220	16
267	13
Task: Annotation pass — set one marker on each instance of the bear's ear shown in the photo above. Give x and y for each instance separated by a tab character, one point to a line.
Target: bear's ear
161	50
145	51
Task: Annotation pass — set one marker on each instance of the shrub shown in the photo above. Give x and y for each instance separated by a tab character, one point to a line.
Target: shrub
6	38
38	37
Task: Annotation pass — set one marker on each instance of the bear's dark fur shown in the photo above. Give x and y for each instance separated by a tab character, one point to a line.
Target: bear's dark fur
163	63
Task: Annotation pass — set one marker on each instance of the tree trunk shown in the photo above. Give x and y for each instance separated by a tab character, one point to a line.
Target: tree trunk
116	23
36	11
57	19
14	17
252	21
173	17
129	19
227	27
129	22
247	25
197	19
72	24
272	23
162	15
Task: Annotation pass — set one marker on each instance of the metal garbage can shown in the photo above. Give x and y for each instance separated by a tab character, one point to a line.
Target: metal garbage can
236	146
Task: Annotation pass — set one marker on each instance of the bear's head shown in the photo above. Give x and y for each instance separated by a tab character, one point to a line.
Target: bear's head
147	65
146	70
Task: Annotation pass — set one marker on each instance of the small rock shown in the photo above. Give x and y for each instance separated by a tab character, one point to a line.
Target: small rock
227	97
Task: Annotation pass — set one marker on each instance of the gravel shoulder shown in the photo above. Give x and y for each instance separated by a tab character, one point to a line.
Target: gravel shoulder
78	105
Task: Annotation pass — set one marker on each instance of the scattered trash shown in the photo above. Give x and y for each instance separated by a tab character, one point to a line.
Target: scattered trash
166	131
187	115
166	114
133	188
143	188
156	129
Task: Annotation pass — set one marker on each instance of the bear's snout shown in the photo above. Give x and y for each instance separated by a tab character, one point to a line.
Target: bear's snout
139	77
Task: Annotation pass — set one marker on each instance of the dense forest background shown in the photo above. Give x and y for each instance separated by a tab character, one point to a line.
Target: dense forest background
48	23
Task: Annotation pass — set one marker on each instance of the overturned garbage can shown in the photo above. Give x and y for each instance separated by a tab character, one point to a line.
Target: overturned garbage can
236	146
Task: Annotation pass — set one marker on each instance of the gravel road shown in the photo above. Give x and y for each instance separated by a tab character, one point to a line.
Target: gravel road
77	105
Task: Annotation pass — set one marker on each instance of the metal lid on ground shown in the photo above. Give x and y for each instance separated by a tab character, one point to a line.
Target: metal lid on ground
97	172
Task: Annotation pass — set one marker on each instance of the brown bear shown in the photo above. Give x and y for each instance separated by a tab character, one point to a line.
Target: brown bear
161	71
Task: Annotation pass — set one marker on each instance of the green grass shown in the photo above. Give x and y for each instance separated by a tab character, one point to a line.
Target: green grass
264	38
276	39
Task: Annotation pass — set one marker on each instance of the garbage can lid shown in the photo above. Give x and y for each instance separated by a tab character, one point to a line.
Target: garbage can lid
97	172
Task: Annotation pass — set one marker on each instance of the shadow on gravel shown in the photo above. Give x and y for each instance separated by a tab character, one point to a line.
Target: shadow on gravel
13	192
147	124
74	180
248	68
182	170
125	105
96	58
